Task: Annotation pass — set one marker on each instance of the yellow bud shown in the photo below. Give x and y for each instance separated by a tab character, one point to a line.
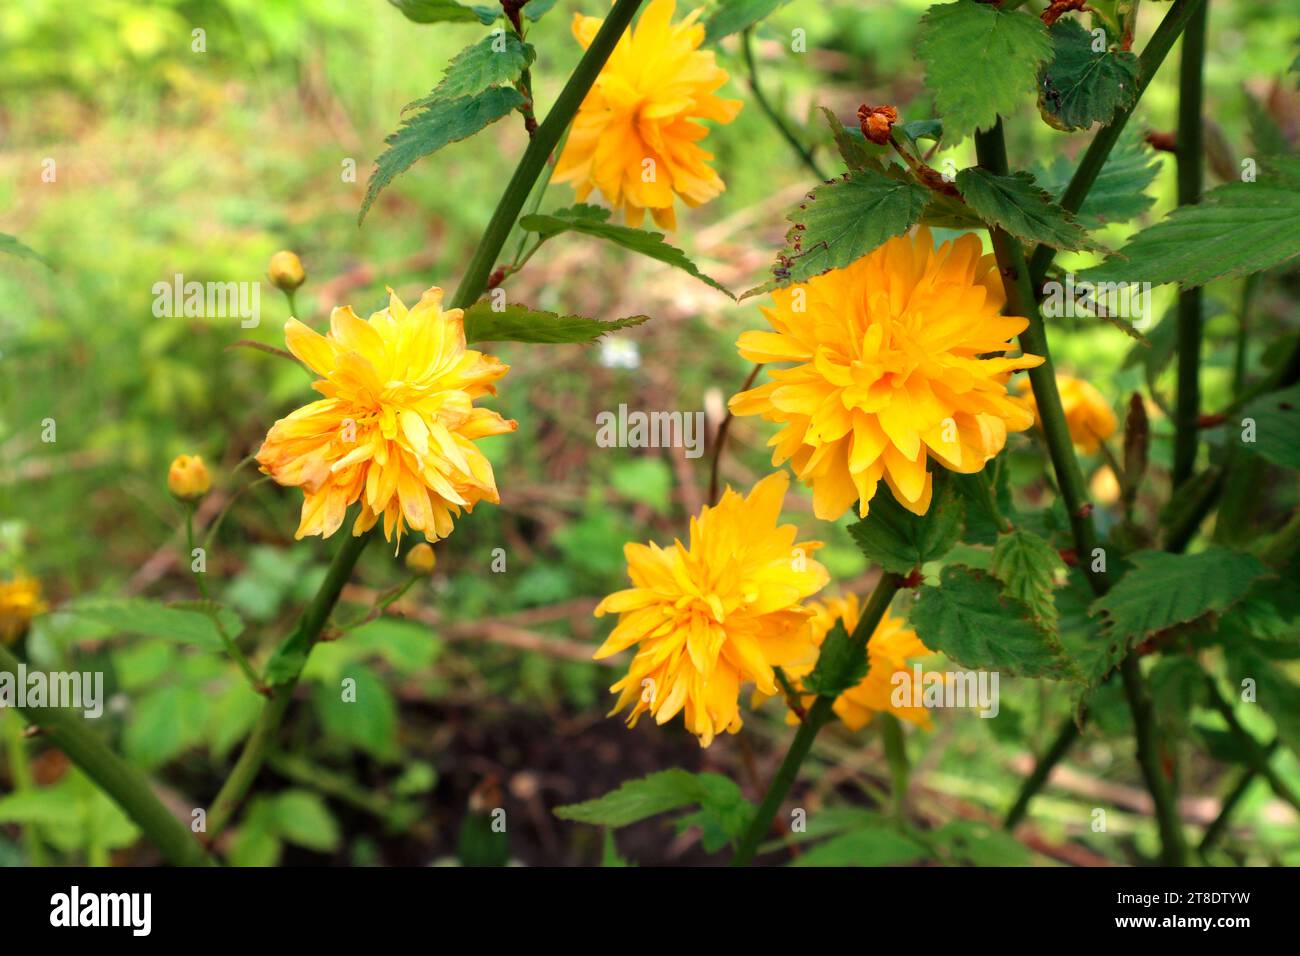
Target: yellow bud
286	271
421	559
188	478
20	601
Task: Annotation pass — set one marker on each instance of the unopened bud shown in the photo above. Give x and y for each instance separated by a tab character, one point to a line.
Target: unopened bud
286	271
188	478
421	559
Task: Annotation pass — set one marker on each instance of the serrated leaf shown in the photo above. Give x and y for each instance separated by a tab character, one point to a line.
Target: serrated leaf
1119	192
979	61
1164	590
1079	86
519	323
841	663
852	145
844	220
178	623
444	11
1277	427
900	541
651	244
163	723
1021	207
875	846
480	66
1027	565
650	796
433	127
732	16
968	618
10	245
302	818
1235	230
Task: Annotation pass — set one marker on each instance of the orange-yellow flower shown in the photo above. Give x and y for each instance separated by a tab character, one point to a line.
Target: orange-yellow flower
1088	415
188	478
397	425
898	358
635	136
889	649
20	601
711	616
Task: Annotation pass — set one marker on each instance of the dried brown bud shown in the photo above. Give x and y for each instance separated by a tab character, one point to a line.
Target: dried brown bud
876	122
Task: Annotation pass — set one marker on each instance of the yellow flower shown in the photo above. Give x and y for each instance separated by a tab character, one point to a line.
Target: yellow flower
397	425
20	601
709	617
188	478
286	271
635	136
889	649
893	366
1087	413
421	559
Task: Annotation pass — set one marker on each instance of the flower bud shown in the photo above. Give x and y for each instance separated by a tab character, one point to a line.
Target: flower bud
188	478
421	559
286	271
20	601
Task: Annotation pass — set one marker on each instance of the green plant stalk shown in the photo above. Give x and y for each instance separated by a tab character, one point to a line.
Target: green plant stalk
818	714
1242	343
1190	152
772	113
891	732
539	148
1220	823
126	785
471	287
1173	845
1061	744
21	770
1153	55
1256	753
227	641
990	147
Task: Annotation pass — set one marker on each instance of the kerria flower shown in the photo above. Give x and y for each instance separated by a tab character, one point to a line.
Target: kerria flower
897	357
635	136
397	425
891	646
712	616
20	601
1088	415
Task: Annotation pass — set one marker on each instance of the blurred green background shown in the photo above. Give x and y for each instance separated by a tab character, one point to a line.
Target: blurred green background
166	160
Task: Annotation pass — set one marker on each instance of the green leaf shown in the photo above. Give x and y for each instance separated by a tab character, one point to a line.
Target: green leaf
968	618
11	246
535	9
844	220
1119	192
874	846
1277	427
1236	229
519	323
180	623
978	844
1021	207
1164	590
164	723
496	60
234	712
1177	688
433	127
444	11
658	793
979	61
841	663
582	219
900	541
369	722
256	843
732	16
1078	86
302	818
1276	693
1027	565
852	145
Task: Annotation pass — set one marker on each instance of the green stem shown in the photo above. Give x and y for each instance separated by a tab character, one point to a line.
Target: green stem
1256	753
471	287
227	641
891	732
126	785
539	148
21	769
1061	744
1242	344
1173	846
1153	55
771	112
1220	823
1190	151
990	147
818	714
